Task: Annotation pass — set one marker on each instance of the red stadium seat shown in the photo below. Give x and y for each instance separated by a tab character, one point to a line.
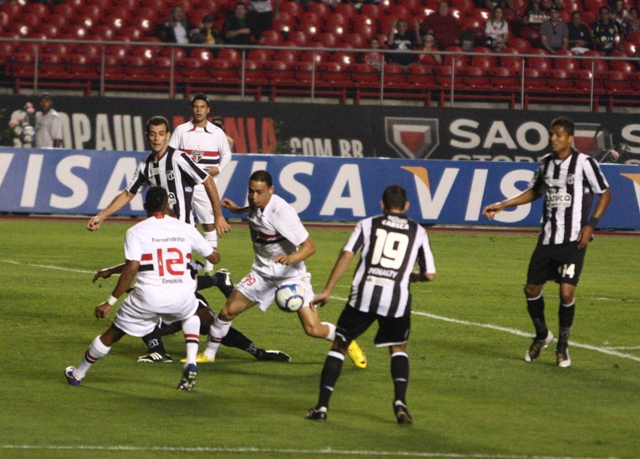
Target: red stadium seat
326	40
509	60
338	19
519	44
355	40
566	64
344	58
364	74
272	38
286	55
317	56
372	10
461	60
443	75
346	9
279	72
582	79
224	70
474	77
260	55
420	75
319	8
303	70
333	73
534	78
615	80
230	54
504	77
292	8
80	65
558	78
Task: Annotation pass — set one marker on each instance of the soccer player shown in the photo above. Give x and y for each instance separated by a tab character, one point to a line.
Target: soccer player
208	146
157	251
157	352
569	180
389	244
281	244
176	172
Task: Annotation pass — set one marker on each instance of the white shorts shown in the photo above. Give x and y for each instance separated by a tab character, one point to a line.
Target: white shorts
139	320
262	290
202	205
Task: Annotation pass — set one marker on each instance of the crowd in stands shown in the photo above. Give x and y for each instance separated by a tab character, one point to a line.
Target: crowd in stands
567	27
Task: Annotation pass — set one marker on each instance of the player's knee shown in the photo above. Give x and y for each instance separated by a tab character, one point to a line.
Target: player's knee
532	291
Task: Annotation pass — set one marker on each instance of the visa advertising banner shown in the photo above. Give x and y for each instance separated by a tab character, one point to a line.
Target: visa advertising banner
320	189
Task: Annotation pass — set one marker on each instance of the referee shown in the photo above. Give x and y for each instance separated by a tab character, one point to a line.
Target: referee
569	180
390	244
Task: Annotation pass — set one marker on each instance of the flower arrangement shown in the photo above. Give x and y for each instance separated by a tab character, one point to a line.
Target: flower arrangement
21	129
617	154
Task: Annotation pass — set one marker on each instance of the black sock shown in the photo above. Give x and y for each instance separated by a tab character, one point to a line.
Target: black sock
400	374
565	314
205	282
535	306
154	341
330	374
236	339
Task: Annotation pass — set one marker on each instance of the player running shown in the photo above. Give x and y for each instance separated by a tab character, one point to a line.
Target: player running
281	244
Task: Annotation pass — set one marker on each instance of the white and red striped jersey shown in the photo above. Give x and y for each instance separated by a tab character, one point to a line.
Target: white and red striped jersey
163	246
390	245
568	187
208	146
276	229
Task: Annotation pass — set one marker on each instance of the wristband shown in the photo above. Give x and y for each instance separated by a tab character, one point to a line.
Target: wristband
112	300
593	222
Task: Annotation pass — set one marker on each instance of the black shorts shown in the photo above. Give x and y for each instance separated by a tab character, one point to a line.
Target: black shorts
561	263
392	332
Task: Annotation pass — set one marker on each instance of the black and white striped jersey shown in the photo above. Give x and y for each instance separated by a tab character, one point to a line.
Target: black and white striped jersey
390	245
177	173
569	187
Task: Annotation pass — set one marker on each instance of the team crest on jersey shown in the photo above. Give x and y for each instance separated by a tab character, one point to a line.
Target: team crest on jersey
412	138
571	179
171	176
197	155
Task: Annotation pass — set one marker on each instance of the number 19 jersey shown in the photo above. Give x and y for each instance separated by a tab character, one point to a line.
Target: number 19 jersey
390	246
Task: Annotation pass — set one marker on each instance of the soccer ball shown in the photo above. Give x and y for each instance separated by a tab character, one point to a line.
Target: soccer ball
27	135
290	297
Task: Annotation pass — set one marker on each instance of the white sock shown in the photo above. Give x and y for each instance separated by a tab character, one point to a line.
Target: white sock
332	331
191	330
212	239
218	330
96	351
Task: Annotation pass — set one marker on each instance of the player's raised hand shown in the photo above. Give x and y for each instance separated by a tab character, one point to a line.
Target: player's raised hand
102	310
94	223
102	274
492	209
321	299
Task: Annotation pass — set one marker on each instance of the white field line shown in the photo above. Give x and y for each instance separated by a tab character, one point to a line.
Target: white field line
47	267
603	350
327	451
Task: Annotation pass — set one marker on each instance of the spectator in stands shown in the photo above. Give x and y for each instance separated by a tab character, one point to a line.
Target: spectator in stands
497	30
443	27
605	32
177	29
262	12
48	124
554	34
374	57
493	4
618	12
534	13
240	29
209	34
429	48
579	35
401	38
631	23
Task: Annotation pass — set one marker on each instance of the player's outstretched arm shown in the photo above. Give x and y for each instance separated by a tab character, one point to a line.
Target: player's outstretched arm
306	249
525	197
126	279
586	233
221	224
118	203
105	273
233	207
342	263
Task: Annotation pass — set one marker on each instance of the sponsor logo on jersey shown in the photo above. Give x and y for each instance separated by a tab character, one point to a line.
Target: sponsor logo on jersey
413	138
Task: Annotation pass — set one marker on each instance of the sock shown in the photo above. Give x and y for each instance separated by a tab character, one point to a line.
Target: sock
205	282
96	351
535	306
154	341
566	313
236	339
218	330
212	239
400	374
191	330
330	374
332	331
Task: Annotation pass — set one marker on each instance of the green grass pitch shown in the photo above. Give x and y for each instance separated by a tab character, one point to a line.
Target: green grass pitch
470	392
